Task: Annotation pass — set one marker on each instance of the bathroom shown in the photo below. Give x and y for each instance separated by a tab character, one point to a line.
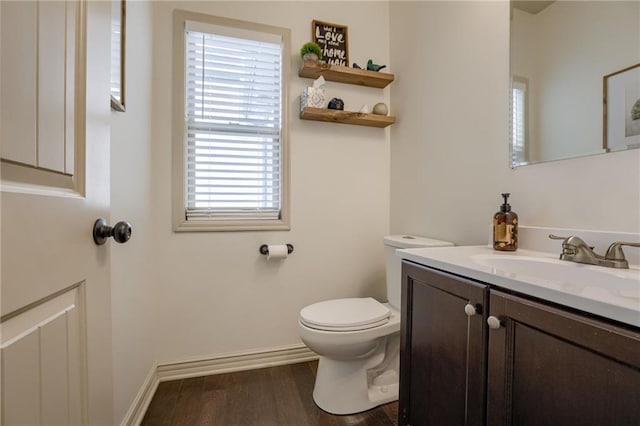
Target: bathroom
439	171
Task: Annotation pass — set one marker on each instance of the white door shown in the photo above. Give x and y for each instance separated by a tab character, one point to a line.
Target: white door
55	289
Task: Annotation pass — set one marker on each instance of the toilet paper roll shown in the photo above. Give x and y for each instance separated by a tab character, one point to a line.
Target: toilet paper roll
277	252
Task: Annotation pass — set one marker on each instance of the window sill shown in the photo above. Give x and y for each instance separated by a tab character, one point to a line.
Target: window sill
230	225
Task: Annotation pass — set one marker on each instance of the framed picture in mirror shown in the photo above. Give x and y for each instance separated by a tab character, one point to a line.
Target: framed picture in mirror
621	127
118	25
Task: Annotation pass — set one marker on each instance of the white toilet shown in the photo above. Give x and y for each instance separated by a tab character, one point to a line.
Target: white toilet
358	341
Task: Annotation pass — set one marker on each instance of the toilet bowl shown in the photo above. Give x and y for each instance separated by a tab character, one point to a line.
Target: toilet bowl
358	341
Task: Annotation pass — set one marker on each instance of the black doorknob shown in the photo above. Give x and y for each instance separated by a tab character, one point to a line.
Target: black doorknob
121	232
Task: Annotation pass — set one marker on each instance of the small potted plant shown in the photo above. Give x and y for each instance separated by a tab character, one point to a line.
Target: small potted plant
311	52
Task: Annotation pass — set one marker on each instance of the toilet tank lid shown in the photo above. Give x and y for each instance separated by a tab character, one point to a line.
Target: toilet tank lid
413	241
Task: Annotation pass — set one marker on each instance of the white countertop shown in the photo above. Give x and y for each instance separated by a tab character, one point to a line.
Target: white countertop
608	292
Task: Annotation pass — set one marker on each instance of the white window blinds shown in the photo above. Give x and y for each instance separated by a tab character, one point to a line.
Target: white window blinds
518	124
233	123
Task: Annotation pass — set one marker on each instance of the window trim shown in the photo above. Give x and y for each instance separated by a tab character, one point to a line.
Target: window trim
179	149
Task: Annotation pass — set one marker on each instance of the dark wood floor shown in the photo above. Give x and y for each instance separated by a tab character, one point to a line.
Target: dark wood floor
275	396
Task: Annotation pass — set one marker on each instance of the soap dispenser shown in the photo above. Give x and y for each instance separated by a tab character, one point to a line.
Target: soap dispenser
505	227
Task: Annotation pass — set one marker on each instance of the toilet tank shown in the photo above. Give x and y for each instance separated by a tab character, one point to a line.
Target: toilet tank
394	263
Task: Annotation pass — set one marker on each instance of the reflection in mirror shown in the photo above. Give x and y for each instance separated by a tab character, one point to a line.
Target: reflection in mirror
561	52
118	25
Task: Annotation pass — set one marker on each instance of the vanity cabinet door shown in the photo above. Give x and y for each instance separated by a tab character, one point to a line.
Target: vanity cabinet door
443	349
551	367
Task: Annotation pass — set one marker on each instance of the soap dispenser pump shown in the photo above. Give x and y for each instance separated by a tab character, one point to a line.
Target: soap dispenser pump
505	227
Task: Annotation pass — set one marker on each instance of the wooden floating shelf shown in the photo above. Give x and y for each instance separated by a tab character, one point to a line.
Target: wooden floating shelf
346	117
340	74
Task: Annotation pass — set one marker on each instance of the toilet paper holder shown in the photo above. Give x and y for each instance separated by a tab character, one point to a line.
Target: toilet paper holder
264	249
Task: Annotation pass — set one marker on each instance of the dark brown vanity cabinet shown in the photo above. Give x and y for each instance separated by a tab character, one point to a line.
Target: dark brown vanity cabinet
548	366
535	364
442	349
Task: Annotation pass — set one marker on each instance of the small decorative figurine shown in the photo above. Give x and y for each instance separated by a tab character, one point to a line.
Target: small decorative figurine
380	109
374	67
356	66
336	103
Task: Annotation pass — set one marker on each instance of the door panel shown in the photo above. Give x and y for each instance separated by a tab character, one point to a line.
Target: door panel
42	122
51	85
20	382
19	65
40	345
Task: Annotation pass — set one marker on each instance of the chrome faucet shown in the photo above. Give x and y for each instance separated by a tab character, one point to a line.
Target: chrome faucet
575	249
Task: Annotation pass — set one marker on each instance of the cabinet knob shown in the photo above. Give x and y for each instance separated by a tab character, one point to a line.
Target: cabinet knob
470	310
494	322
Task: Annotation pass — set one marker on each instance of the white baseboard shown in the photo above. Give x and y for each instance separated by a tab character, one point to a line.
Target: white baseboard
234	362
175	370
138	408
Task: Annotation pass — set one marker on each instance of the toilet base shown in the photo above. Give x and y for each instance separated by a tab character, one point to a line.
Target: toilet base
348	387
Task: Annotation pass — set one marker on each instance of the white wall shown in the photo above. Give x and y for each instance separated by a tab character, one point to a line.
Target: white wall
133	292
449	151
450	143
216	293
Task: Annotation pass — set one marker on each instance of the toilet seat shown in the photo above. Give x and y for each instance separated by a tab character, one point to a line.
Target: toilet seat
345	314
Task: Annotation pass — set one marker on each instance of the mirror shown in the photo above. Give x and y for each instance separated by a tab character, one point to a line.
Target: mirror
561	55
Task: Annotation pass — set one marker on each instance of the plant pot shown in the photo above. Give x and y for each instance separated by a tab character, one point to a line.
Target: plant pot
310	57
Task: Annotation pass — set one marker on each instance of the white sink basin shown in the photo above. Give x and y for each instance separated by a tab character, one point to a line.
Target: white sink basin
569	275
608	292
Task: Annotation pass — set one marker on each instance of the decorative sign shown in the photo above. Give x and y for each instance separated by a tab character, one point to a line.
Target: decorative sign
332	39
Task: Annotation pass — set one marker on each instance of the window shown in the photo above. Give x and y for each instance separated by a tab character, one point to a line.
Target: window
519	122
231	139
